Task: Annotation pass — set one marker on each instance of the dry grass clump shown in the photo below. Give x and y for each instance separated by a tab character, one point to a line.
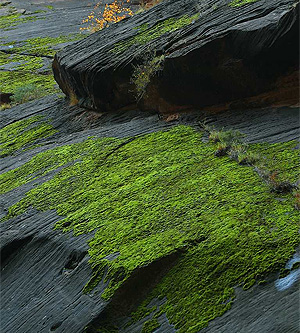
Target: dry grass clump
5	106
73	100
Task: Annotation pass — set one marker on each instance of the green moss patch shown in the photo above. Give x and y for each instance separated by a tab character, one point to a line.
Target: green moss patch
161	193
150	326
239	3
45	46
9	22
146	35
279	158
10	81
20	62
26	61
23	134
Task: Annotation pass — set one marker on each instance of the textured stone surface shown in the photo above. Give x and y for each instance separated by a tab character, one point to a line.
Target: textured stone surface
221	53
43	270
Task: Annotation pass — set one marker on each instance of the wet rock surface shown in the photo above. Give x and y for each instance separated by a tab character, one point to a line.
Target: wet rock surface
30	33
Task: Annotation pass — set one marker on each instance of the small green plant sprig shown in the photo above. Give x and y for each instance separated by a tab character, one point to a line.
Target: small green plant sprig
230	143
143	73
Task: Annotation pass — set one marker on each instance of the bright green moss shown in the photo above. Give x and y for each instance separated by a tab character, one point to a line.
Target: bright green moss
150	326
45	46
239	3
159	194
21	62
279	158
50	160
9	22
24	67
146	35
23	134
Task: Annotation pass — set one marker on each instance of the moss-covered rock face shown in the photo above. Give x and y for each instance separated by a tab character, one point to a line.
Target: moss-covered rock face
28	62
10	21
150	196
146	34
201	42
23	134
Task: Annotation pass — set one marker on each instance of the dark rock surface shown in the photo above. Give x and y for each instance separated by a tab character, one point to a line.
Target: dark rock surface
261	309
222	53
42	276
52	19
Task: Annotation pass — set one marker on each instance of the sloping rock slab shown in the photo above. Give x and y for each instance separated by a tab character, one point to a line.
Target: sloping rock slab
213	52
43	271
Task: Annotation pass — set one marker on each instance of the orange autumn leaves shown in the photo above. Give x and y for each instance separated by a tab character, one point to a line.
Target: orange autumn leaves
112	13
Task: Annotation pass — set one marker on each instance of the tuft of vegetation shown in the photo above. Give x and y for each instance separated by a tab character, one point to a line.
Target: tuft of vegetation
5	106
27	93
248	158
143	73
11	81
165	192
229	137
222	149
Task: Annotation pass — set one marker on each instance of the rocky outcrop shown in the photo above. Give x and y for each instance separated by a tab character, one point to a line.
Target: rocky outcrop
210	52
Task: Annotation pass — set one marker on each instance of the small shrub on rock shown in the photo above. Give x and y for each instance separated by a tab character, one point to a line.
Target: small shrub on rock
247	158
222	149
236	150
229	137
143	73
